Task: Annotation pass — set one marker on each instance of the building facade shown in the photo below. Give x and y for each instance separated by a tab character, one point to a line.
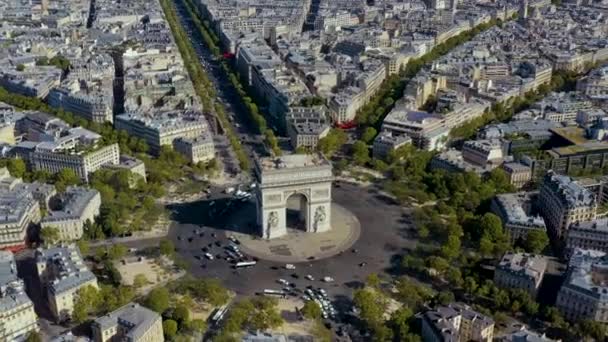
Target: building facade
62	273
199	149
77	206
132	322
520	271
82	164
584	294
514	210
17	316
456	322
562	201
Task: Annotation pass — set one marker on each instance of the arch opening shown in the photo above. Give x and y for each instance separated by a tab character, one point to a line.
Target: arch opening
296	211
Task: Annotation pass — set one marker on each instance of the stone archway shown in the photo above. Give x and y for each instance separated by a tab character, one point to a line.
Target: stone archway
305	176
296	215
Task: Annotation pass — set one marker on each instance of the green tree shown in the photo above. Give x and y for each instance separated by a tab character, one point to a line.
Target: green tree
400	322
311	310
170	328
332	142
84	246
373	280
554	317
369	134
50	235
17	167
65	178
371	305
158	299
266	314
166	247
197	325
592	329
87	302
181	314
117	251
360	153
20	67
536	241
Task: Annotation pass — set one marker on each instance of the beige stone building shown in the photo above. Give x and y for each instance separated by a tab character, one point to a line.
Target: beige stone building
132	322
82	163
520	271
562	201
17	316
62	273
199	149
456	322
77	205
584	294
519	174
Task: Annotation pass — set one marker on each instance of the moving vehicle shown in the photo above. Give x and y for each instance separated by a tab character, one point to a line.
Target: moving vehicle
274	293
290	267
328	279
219	314
245	264
229	190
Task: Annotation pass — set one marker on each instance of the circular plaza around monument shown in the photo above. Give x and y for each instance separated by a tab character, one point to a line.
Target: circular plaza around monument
299	246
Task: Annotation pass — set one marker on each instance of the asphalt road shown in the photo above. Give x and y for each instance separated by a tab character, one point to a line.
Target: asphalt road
383	237
226	94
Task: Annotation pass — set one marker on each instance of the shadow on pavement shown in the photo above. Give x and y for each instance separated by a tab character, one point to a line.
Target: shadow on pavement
228	214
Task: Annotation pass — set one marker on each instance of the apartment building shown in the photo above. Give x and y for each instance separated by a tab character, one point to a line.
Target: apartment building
17	316
93	106
162	128
519	174
426	130
456	322
584	294
344	105
83	163
76	206
595	85
520	271
199	149
514	211
34	82
386	142
62	273
133	165
483	153
306	125
562	201
592	235
18	211
524	335
132	322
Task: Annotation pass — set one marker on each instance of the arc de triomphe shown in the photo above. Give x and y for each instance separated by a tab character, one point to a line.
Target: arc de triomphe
306	175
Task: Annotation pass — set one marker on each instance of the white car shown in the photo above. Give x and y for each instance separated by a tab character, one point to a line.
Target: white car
290	267
328	279
309	277
209	256
283	282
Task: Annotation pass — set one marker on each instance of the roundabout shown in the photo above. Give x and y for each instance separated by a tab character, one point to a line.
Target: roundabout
373	234
300	246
